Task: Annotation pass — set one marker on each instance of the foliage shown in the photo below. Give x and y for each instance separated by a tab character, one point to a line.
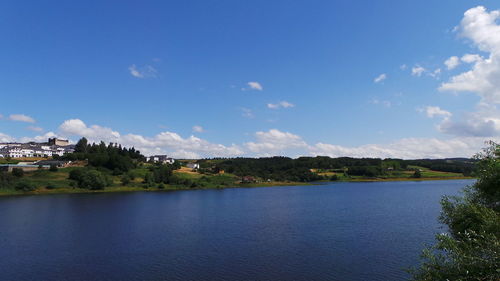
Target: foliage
90	179
17	172
112	156
6	179
417	174
53	168
25	186
126	179
275	168
471	250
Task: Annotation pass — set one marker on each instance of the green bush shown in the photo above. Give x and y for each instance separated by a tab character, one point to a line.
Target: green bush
17	172
25	186
53	168
90	179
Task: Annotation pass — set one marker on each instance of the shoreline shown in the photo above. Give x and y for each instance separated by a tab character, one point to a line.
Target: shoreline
119	189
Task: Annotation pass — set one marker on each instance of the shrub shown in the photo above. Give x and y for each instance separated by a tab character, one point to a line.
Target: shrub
417	174
53	168
18	172
90	179
25	186
50	186
125	179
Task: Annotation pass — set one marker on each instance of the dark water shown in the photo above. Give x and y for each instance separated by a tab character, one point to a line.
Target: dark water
342	231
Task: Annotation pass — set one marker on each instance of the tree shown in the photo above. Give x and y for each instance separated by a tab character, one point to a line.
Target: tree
125	179
417	174
81	146
90	179
18	172
471	250
53	168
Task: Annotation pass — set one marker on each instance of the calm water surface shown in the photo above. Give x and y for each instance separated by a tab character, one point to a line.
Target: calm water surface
340	231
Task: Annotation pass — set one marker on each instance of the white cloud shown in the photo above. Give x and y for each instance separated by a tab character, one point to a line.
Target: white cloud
76	127
267	143
274	142
146	71
34	128
452	62
403	67
485	122
408	148
417	71
21	118
380	78
198	129
255	86
433	111
281	104
247	113
471	58
483	78
6	138
385	103
480	26
164	142
41	138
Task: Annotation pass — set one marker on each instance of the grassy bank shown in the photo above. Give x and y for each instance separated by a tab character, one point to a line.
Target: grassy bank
58	182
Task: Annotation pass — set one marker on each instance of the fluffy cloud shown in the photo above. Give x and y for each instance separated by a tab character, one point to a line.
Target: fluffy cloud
255	86
380	78
281	104
471	58
145	71
21	118
267	143
452	62
409	148
433	111
6	138
483	79
479	26
164	142
76	127
198	129
41	138
417	71
274	142
485	122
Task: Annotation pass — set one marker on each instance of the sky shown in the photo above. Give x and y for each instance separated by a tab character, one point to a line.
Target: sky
213	78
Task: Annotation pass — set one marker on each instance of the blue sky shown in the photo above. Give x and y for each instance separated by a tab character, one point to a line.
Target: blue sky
254	78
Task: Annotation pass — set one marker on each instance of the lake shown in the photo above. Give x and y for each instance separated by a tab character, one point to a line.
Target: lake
335	231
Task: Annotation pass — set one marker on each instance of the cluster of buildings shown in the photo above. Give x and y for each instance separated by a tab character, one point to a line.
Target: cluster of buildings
164	159
52	147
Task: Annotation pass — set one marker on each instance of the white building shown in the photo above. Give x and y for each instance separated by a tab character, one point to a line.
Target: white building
193	166
164	159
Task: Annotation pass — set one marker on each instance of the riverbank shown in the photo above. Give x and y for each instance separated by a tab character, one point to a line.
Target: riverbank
117	189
